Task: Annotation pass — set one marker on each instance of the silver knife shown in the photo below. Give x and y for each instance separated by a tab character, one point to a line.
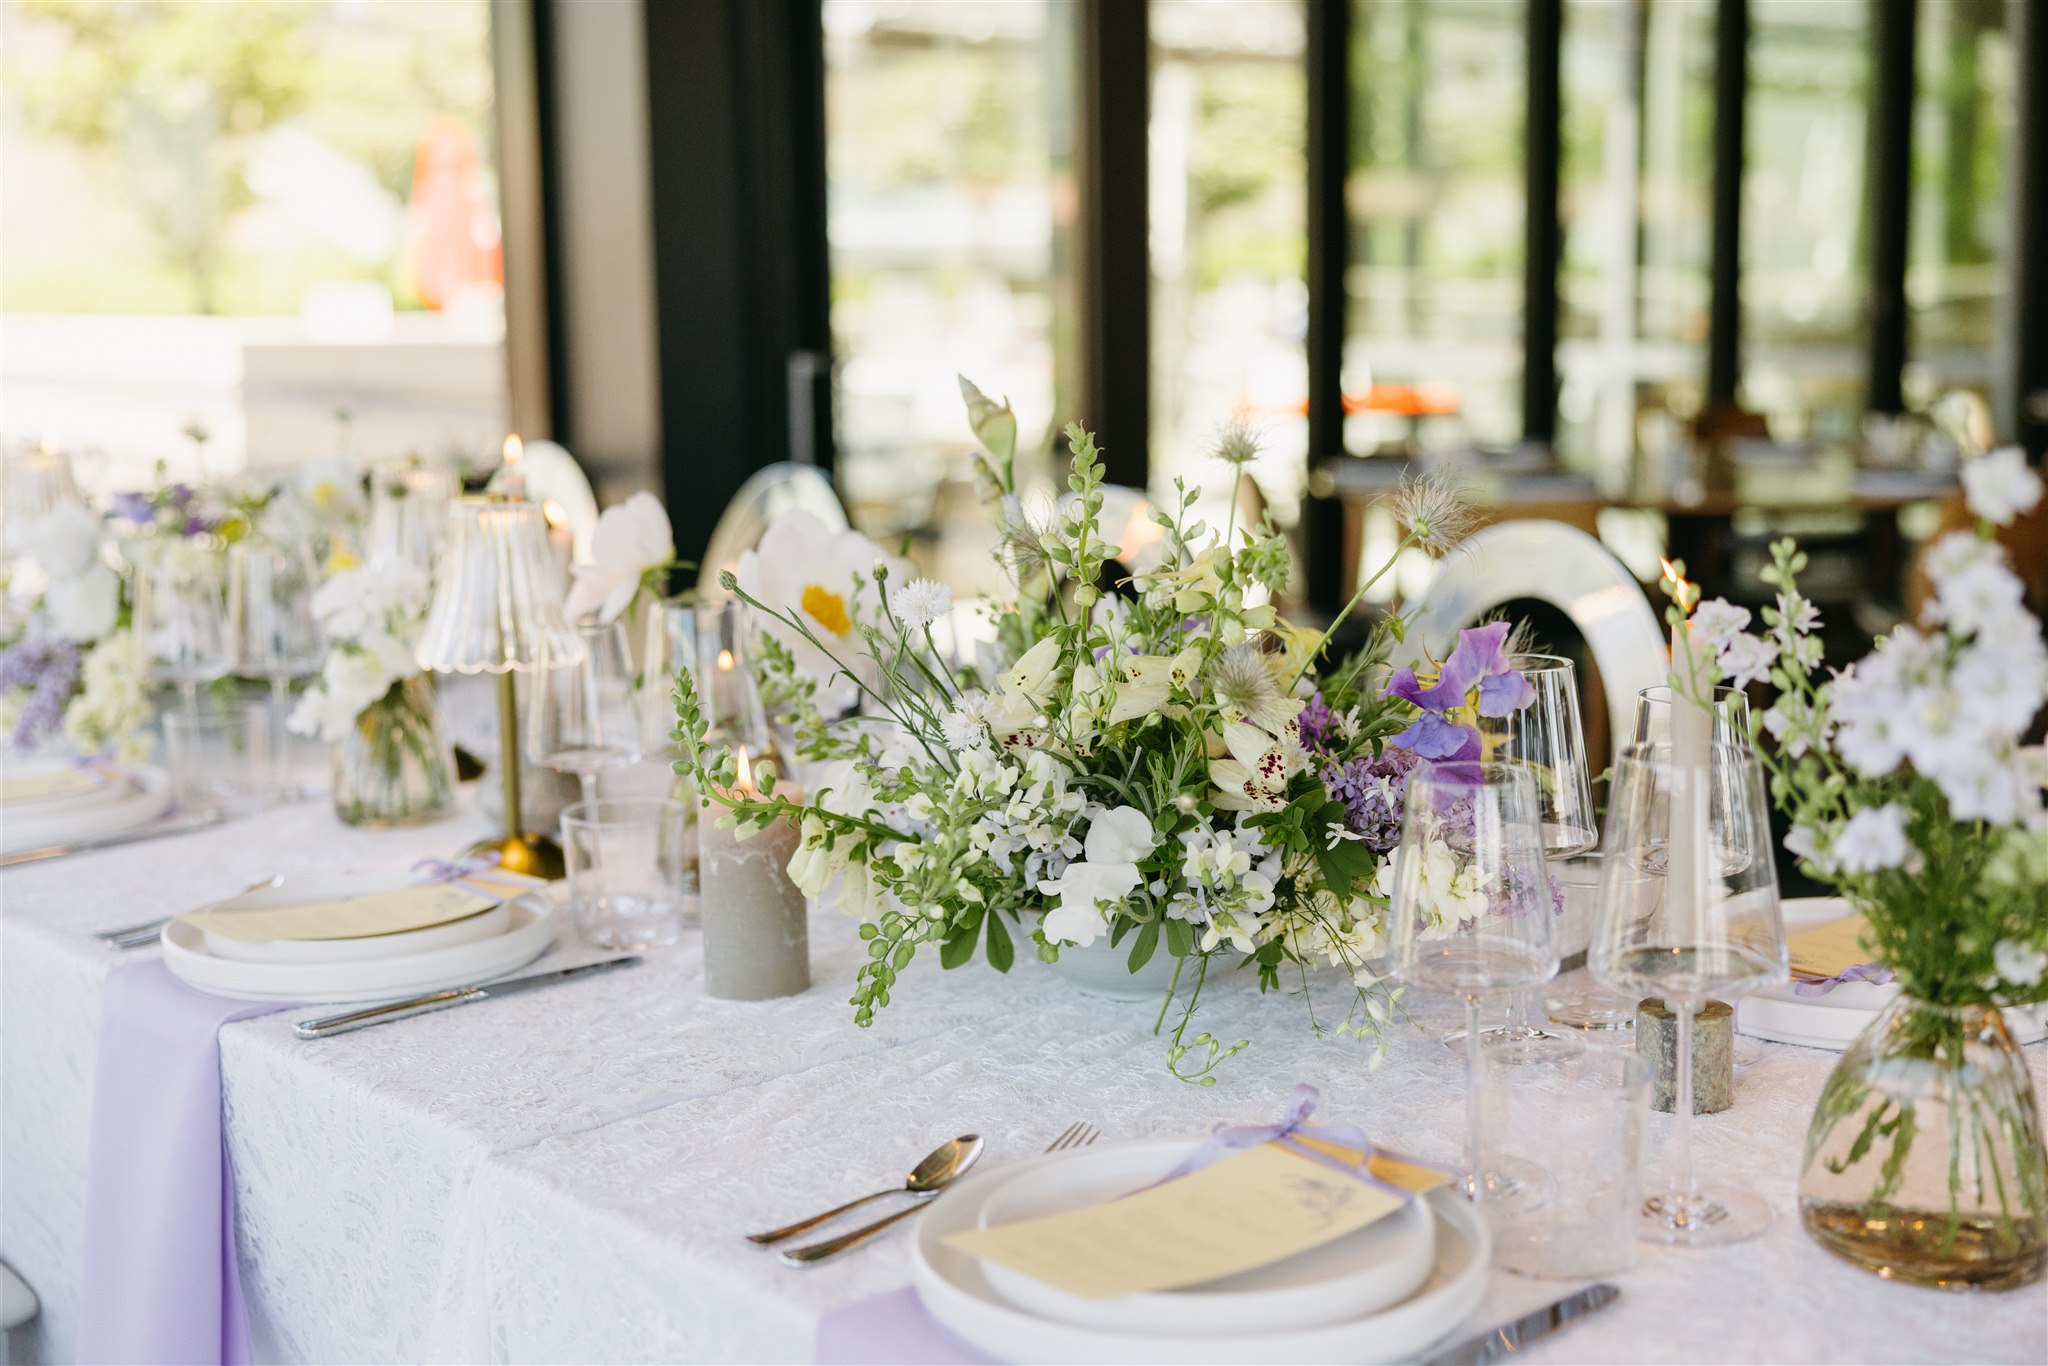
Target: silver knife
454	996
1511	1338
176	825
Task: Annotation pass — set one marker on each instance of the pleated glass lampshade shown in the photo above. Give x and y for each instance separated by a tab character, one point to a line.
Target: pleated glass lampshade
498	603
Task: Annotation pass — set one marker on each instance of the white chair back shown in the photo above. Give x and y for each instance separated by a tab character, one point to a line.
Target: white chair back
767	492
1563	566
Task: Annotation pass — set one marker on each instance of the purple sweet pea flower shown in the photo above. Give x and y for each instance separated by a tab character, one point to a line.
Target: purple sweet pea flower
1432	737
133	506
1479	660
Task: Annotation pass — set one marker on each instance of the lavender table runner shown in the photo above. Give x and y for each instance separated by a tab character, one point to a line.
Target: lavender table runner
890	1328
160	1283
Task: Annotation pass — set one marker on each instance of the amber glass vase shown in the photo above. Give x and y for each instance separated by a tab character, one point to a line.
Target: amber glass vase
1924	1161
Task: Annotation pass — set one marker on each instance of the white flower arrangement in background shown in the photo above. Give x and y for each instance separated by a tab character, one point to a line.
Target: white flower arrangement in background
82	599
1907	776
371	617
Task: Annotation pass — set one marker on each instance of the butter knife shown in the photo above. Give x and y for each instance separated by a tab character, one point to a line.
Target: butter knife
155	830
1510	1338
454	996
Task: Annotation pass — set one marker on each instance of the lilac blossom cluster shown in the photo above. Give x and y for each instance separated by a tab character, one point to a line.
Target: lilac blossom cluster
48	669
1372	788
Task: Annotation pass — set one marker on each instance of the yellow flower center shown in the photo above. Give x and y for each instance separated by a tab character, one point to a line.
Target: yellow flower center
827	608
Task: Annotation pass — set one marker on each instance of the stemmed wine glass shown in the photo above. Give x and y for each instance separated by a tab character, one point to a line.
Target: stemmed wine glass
274	634
1546	739
1689	912
586	715
1654	717
1471	907
181	622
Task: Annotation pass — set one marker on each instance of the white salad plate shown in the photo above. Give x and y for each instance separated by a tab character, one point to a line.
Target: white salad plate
484	924
957	1291
1832	1021
1359	1273
530	929
133	798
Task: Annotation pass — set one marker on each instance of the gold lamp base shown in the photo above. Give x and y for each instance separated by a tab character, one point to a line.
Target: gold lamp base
534	855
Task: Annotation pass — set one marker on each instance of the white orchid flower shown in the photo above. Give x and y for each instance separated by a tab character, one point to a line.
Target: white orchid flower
630	540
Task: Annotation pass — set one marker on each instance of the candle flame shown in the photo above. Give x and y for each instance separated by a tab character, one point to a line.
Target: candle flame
515	449
1682	592
553	511
725	661
746	782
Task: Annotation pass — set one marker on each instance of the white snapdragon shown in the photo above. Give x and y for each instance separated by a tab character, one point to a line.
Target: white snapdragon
2000	486
1747	659
1717	621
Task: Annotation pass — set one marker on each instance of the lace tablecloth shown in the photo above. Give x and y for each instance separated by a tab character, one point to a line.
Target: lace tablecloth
565	1175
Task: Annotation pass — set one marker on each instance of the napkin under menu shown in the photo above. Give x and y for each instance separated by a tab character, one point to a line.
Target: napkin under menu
1248	1210
48	784
396	911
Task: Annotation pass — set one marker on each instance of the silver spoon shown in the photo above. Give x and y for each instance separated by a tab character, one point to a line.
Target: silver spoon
940	1168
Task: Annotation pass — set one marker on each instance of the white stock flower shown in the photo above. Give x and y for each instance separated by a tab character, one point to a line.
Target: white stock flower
1746	659
65	541
1982	785
1999	487
1717	621
920	602
2019	964
1985	596
1872	840
630	539
1105	875
2002	678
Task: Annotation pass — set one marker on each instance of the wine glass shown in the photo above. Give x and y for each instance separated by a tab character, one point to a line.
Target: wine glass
586	715
1689	912
670	647
181	622
1548	739
1471	908
274	634
733	711
1654	717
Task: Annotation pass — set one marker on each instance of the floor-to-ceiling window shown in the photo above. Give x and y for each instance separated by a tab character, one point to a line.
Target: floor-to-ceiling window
250	234
1437	201
1227	221
948	184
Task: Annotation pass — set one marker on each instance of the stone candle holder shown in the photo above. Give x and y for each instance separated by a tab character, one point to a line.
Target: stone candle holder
1713	1054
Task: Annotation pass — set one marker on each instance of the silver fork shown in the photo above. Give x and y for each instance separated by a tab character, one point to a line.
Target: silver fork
1079	1134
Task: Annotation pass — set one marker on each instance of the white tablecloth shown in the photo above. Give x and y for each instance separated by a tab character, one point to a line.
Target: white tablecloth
565	1175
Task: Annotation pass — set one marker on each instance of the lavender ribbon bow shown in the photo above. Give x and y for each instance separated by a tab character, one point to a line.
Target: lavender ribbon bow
1229	1138
1874	973
463	873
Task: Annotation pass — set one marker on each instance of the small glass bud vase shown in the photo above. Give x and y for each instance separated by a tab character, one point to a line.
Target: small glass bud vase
395	767
1924	1160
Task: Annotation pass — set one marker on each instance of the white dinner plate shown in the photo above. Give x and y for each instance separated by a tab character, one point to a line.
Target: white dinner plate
1359	1273
527	936
957	1293
135	798
484	924
1833	1021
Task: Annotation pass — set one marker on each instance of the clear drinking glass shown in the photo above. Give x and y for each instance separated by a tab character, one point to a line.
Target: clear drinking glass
1579	1119
1471	907
725	685
1689	912
670	647
586	715
273	631
1548	739
631	884
219	760
181	620
409	513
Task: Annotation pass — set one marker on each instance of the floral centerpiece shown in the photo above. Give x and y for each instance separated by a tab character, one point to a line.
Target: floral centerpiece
1911	789
72	666
392	764
1175	772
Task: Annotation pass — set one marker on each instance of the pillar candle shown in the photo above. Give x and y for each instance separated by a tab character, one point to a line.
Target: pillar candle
756	924
1692	752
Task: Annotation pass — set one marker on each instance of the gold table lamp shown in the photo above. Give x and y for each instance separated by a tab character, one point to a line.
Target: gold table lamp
497	609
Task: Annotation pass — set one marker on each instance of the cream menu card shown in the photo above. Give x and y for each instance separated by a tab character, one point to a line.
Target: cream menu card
397	911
